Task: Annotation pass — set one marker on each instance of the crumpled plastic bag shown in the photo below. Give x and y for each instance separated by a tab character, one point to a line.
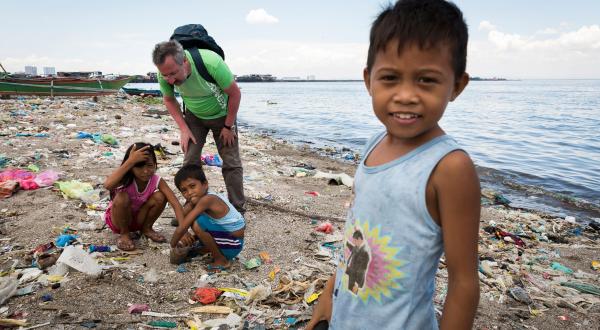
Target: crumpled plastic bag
46	178
23	177
80	260
325	227
212	160
78	190
8	288
206	295
336	178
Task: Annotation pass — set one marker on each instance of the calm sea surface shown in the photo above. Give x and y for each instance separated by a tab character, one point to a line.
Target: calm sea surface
535	141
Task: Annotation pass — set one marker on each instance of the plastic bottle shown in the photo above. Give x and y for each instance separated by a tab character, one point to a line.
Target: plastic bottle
99	248
86	226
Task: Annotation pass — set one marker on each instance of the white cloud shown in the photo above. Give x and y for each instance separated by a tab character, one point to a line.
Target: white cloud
287	58
486	25
548	31
548	53
260	16
586	39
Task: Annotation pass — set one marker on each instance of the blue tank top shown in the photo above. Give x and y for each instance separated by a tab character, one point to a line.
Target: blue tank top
386	273
232	221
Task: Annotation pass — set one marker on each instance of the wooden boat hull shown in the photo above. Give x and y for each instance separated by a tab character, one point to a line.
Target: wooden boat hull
144	92
61	86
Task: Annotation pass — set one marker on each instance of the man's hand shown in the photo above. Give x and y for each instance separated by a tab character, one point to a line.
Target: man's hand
228	136
185	136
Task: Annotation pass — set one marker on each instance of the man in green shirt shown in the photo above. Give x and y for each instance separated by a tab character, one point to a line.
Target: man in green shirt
207	107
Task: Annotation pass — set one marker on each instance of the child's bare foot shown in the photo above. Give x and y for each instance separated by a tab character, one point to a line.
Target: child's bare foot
125	243
154	236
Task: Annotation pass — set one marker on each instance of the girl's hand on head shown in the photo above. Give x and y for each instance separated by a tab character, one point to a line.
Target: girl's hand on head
139	155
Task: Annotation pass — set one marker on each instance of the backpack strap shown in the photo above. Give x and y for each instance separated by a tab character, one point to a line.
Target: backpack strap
195	52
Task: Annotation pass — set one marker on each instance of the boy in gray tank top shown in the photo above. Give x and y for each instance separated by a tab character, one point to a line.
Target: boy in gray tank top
416	193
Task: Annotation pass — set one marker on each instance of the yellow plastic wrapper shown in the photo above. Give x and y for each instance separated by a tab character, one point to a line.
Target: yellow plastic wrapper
312	297
78	190
241	292
274	272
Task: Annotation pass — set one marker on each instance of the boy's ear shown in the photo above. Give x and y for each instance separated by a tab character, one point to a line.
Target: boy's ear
367	79
459	86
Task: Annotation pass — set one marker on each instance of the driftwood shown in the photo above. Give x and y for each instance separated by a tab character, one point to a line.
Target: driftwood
300	213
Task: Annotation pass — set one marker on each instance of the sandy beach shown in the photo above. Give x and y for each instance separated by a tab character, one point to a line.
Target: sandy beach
536	271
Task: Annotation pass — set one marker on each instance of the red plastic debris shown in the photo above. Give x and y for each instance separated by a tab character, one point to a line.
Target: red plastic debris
206	295
43	248
313	193
325	227
138	308
516	239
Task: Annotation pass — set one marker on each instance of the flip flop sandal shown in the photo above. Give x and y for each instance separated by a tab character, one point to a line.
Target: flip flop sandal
218	268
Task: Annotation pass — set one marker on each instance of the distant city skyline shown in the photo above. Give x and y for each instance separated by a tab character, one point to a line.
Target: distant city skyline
329	40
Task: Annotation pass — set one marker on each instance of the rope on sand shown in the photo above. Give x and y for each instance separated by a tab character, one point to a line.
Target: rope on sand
300	213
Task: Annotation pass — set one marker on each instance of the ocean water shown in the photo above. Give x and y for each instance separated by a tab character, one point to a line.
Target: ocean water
537	142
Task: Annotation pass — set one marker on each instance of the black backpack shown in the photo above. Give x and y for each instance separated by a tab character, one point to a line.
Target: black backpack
193	37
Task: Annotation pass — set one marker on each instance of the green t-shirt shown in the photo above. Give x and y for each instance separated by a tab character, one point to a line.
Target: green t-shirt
205	100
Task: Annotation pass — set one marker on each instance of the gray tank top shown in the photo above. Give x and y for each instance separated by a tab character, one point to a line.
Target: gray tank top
392	246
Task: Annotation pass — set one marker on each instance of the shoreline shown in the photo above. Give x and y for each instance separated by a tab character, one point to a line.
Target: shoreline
280	225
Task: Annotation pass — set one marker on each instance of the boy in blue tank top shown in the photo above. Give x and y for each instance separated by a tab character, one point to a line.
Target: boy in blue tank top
214	221
416	193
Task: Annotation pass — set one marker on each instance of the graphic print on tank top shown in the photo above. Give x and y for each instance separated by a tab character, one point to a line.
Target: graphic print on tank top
371	265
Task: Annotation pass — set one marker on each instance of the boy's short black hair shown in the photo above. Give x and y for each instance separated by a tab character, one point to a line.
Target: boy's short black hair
357	235
190	171
426	23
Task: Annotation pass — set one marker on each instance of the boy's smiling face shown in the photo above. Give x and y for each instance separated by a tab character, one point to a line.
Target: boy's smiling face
193	189
411	90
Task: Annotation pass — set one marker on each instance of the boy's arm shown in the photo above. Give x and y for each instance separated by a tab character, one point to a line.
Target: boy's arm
458	194
203	204
172	199
324	305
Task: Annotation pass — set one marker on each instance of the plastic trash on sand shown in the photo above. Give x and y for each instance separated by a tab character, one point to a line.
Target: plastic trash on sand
151	276
64	240
325	227
258	293
8	288
232	320
206	295
78	190
336	178
46	178
138	308
212	160
109	139
562	268
80	260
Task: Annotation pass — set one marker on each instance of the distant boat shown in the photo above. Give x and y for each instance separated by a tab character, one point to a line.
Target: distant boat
144	92
61	86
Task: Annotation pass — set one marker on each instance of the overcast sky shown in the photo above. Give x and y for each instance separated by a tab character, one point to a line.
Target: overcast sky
328	39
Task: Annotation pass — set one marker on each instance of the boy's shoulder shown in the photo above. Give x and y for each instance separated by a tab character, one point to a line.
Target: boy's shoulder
213	198
454	170
455	161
